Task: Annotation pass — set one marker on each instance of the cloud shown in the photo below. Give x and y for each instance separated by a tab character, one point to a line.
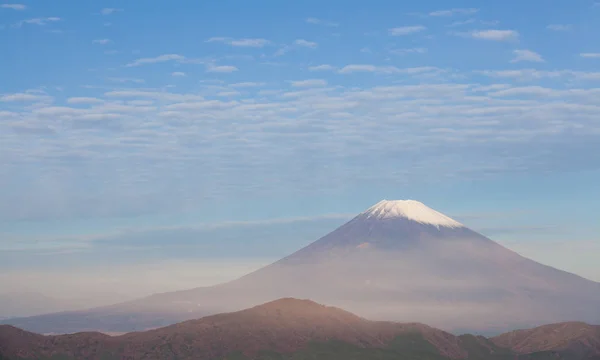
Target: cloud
533	74
247	84
211	148
178	74
109	11
306	43
38	21
309	83
312	20
494	35
590	55
352	68
526	55
559	27
406	30
157	59
84	100
257	43
19	7
101	41
452	12
419	50
23	97
323	67
125	80
221	68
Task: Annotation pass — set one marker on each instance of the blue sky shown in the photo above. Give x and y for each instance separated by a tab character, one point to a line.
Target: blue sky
143	132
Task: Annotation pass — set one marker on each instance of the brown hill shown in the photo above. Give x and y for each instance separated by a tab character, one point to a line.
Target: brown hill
575	337
289	325
283	326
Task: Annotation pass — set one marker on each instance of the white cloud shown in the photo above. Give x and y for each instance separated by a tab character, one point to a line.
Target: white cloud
419	50
126	80
590	55
101	41
559	27
309	83
306	43
22	97
312	20
352	68
178	74
108	11
157	59
323	67
533	74
84	100
526	55
221	68
495	35
406	30
258	43
13	6
38	21
452	12
247	84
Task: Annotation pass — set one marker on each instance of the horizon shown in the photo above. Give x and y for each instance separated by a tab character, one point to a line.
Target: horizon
193	144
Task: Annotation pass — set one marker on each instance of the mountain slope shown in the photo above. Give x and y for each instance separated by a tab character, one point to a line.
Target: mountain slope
398	260
573	337
296	329
282	326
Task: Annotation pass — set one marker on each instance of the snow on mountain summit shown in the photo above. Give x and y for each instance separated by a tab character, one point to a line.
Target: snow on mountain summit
412	210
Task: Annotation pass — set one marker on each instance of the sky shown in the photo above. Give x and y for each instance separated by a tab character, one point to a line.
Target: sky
199	141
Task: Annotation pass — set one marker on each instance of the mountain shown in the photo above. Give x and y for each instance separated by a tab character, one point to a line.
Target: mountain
293	329
398	261
572	337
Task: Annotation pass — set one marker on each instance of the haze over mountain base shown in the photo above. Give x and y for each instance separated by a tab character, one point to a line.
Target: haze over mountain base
397	261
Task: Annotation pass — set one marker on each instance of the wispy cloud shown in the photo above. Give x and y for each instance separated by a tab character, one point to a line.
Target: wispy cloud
221	68
84	100
22	97
590	55
323	67
178	74
384	69
312	20
493	35
108	11
19	7
246	42
559	27
38	21
452	12
418	50
526	55
126	80
406	30
309	83
101	41
306	43
157	59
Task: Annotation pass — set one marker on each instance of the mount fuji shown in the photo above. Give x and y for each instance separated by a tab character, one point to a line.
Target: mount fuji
396	261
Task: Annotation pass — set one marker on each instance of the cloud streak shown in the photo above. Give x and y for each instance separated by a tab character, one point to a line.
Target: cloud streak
406	30
18	7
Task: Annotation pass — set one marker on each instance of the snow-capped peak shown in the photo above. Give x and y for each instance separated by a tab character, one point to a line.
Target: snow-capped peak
409	209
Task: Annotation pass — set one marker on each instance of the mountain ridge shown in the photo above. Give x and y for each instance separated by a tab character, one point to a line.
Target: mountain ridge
288	326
